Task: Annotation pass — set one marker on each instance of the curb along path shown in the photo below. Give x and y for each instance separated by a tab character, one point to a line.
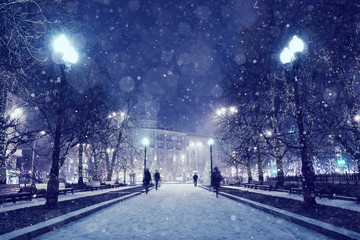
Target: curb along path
49	225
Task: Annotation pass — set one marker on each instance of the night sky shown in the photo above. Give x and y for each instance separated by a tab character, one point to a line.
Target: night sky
174	53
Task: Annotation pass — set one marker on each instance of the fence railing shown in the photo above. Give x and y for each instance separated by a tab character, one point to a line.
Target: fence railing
352	178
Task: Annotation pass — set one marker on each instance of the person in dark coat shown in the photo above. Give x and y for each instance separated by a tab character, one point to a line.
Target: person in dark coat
216	178
195	177
147	180
157	179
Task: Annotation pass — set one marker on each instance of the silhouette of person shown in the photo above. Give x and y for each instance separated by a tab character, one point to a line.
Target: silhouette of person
195	177
146	180
157	179
216	179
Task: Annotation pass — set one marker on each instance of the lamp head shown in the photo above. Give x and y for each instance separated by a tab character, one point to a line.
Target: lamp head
145	141
288	54
296	45
211	141
62	45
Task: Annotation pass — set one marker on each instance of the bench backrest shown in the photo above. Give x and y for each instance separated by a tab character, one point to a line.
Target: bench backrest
9	188
110	182
41	186
272	183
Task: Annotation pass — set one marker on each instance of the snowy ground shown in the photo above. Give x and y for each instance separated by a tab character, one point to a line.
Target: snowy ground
41	201
181	212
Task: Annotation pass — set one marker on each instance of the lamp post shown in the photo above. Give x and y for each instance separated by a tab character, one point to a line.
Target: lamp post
287	56
211	142
66	56
145	141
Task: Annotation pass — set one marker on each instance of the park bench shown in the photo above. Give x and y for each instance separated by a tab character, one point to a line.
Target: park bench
94	186
267	185
11	193
63	189
113	184
339	191
235	182
252	184
41	189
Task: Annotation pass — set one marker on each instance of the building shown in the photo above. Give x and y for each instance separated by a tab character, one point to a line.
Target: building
176	155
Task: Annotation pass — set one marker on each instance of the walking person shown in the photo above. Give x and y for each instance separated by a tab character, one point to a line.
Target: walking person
195	177
216	178
157	179
147	180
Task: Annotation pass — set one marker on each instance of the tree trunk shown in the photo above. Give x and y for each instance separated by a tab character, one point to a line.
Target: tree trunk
96	169
80	167
260	167
3	100
53	184
108	168
276	142
248	169
124	175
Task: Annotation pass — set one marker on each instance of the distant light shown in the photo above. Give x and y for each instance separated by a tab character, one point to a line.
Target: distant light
211	141
268	133
221	111
62	45
296	45
16	113
42	132
357	118
341	161
233	110
145	141
199	144
286	56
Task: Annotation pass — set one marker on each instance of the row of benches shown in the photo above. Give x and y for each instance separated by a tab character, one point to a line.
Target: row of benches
321	189
13	192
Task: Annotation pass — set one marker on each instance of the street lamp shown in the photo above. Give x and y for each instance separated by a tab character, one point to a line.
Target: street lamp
145	141
211	142
67	56
288	55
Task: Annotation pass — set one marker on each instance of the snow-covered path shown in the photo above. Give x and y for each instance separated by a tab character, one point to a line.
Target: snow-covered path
181	212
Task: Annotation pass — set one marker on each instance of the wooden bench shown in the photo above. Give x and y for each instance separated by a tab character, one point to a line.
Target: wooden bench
11	193
267	185
94	186
340	191
63	189
235	182
113	184
41	189
252	184
296	190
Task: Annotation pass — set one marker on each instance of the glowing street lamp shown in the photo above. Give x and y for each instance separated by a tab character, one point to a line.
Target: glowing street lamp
211	142
62	46
146	142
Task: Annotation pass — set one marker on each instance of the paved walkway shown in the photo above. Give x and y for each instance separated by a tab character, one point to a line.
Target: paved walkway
181	211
